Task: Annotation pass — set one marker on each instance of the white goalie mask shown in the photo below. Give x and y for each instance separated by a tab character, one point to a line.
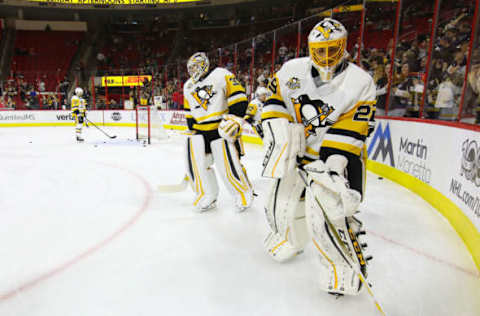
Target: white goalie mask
198	65
327	44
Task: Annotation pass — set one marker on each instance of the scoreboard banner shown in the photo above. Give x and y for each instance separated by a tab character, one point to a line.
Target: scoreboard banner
114	2
119	81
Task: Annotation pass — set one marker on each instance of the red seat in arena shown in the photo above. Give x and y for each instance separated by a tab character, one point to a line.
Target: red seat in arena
45	54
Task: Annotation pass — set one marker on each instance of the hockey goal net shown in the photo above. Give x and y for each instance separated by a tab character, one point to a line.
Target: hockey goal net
148	124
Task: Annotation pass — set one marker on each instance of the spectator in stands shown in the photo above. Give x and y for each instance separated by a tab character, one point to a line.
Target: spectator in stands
41	86
282	53
262	79
401	98
474	85
380	77
447	98
11	103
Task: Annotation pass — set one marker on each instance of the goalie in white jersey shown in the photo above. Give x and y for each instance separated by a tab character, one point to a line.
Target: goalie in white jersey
215	103
79	112
318	117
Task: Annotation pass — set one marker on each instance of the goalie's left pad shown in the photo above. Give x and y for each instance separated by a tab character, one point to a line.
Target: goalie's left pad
230	127
327	183
328	195
283	142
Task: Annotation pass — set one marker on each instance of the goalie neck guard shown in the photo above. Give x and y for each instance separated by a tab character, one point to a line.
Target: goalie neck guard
327	44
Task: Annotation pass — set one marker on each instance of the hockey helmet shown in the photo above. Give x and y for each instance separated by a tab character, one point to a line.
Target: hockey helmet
78	91
327	44
261	91
197	66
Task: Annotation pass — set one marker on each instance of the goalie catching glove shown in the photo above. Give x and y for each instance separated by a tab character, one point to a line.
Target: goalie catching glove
230	127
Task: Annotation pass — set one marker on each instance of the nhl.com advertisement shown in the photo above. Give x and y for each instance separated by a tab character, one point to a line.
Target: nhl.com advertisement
446	158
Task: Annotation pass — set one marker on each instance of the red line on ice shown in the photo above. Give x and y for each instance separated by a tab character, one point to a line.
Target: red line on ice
146	202
424	254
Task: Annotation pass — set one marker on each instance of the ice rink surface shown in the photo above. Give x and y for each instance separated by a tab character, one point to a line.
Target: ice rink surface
84	232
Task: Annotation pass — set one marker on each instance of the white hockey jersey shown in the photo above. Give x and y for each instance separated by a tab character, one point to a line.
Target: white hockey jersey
351	96
218	93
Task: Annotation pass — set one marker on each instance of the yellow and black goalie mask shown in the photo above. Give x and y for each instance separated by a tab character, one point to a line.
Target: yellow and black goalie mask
327	47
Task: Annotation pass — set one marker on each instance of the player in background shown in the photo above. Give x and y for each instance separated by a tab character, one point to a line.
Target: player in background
79	112
254	110
215	103
318	117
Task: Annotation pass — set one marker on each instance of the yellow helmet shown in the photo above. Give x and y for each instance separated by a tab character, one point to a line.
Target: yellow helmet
327	44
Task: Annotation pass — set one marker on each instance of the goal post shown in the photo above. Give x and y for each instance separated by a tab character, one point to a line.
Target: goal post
148	124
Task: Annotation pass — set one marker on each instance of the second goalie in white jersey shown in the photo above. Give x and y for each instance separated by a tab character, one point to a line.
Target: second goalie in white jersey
319	116
215	103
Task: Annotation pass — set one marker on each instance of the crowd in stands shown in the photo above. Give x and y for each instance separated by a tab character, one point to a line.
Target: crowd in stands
148	50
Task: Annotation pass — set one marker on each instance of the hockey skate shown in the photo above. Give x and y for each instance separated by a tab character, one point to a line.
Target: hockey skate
206	207
80	139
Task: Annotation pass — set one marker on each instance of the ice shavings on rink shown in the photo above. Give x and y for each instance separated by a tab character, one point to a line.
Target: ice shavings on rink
83	232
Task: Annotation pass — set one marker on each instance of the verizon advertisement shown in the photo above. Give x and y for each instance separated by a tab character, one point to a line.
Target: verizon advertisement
446	158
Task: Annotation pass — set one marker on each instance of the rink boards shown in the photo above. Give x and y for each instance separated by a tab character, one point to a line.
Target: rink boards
438	162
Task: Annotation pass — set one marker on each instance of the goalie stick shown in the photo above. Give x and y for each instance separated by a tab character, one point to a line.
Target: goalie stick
101	130
346	254
171	188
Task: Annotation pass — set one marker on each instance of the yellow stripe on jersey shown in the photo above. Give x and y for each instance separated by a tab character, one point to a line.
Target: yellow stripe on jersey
276	114
311	151
274	105
356	120
206	127
342	146
186	105
274	87
188	115
236	98
233	85
206	117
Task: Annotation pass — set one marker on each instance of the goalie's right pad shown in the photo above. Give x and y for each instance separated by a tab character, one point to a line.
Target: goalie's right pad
202	177
285	212
282	143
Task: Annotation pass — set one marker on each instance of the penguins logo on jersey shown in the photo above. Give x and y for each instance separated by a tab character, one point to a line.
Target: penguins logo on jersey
328	27
293	83
311	113
203	95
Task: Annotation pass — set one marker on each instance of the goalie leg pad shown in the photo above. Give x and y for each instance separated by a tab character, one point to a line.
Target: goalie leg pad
336	274
202	177
331	188
283	142
285	213
78	125
232	173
